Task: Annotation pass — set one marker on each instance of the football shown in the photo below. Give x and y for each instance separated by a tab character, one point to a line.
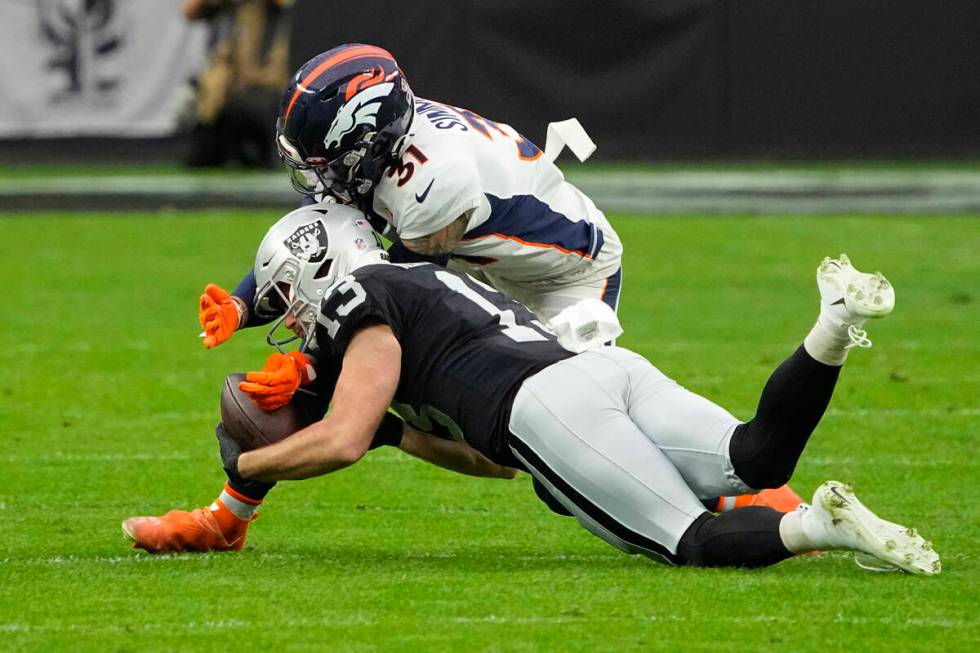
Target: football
251	426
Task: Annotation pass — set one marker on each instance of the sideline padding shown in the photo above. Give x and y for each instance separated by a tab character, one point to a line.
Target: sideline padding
651	192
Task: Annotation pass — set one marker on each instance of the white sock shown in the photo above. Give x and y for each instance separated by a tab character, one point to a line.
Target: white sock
792	534
827	344
239	508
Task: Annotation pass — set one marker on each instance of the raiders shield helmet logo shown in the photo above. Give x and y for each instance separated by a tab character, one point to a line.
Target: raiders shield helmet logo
309	242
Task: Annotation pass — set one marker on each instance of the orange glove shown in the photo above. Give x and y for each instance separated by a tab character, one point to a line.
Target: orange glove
219	314
275	385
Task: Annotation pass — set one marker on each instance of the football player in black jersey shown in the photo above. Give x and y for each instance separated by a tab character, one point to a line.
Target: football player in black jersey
620	446
448	185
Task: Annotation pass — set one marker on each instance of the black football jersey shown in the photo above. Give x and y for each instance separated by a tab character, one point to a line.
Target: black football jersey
466	348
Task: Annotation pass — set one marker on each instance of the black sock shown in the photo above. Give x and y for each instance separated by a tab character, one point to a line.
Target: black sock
255	490
765	450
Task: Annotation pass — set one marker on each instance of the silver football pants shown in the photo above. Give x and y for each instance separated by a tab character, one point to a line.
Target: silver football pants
625	449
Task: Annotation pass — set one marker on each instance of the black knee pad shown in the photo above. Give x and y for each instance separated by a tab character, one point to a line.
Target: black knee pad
745	537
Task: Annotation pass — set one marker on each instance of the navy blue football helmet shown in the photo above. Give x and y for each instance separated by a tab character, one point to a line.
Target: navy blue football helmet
343	120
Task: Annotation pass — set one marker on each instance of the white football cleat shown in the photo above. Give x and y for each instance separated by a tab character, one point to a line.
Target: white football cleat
849	297
837	520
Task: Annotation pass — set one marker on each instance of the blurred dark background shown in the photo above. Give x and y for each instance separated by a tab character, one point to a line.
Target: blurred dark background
682	79
668	80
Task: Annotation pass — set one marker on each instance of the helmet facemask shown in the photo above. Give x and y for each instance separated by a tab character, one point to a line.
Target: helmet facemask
313	175
301	258
348	168
283	298
348	177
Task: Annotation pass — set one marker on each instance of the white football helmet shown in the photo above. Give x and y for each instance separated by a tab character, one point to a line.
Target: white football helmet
302	256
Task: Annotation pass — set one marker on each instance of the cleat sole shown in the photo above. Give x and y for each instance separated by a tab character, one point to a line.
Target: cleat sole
868	296
865	295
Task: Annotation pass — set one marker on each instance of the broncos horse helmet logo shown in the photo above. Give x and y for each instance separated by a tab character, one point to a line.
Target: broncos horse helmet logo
362	109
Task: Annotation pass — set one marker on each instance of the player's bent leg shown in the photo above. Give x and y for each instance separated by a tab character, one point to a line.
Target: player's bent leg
570	429
764	451
572	433
696	435
692	431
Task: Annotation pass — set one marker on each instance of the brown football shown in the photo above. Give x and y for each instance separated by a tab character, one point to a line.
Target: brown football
251	426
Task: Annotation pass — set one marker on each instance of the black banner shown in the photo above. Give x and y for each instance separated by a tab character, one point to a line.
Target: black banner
689	79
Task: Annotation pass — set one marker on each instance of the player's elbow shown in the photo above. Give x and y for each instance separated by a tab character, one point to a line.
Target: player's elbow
332	446
351	450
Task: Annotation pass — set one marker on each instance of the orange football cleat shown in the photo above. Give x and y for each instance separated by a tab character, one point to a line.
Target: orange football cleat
782	499
179	530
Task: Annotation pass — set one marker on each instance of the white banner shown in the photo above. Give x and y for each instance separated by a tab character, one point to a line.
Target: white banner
95	67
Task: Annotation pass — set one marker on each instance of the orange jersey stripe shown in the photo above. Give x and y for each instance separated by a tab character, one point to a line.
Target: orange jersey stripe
339	58
532	244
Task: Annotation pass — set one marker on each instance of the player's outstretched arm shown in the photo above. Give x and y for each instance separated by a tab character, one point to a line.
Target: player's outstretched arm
367	383
452	455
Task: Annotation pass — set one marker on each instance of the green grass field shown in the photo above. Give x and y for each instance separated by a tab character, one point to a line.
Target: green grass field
109	401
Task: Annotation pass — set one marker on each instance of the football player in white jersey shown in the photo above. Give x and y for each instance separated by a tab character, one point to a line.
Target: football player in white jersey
445	182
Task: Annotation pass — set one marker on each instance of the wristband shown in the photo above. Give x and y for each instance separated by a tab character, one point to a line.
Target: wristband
240	306
389	432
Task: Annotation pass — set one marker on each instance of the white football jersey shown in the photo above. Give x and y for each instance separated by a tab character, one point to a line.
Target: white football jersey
527	227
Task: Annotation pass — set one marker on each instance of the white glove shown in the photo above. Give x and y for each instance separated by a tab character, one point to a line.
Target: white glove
587	324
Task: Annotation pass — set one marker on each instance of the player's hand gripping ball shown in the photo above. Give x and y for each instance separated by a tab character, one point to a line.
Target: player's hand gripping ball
273	387
219	315
251	426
